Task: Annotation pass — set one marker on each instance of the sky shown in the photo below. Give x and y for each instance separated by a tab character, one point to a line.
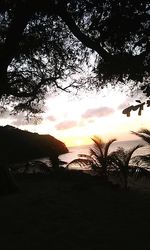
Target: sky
74	120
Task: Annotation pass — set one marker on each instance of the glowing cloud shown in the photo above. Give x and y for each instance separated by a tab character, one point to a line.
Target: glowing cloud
66	125
51	118
98	112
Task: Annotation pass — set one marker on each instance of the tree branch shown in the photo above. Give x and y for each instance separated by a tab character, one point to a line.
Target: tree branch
92	44
8	51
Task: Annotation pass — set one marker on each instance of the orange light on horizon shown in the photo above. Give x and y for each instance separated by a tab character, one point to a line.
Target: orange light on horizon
72	141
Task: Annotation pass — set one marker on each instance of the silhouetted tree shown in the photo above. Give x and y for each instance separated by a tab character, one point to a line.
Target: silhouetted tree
144	134
98	159
54	160
121	160
43	42
139	107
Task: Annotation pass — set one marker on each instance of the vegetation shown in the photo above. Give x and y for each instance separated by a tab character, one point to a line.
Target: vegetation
61	204
98	159
103	163
43	43
144	134
121	161
139	107
116	163
18	146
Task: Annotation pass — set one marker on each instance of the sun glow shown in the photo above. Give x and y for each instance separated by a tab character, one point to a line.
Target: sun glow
79	142
72	141
75	121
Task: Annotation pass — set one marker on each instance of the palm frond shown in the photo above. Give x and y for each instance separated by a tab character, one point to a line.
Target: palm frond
139	172
145	158
98	144
130	152
98	140
95	150
97	159
96	168
144	131
110	162
85	156
121	153
144	136
117	159
93	153
107	145
80	162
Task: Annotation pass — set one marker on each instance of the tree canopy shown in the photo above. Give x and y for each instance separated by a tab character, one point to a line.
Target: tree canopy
43	42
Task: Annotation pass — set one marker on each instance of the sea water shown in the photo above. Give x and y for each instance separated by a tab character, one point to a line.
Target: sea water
74	152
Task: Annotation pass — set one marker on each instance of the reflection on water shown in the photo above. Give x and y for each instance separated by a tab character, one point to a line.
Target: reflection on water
74	152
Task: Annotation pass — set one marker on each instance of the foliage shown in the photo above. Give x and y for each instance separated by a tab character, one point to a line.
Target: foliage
115	163
98	159
139	107
44	42
144	134
121	162
42	58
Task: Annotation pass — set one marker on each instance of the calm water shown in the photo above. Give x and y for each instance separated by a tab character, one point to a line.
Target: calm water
75	151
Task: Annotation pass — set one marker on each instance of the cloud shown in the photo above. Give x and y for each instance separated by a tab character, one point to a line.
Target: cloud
51	118
66	125
99	112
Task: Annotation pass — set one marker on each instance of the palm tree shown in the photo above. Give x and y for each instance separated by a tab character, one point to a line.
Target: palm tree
98	159
121	162
145	135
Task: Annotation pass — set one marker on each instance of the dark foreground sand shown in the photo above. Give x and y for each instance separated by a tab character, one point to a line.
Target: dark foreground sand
73	213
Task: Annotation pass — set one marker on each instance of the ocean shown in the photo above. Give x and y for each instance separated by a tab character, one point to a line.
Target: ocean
75	151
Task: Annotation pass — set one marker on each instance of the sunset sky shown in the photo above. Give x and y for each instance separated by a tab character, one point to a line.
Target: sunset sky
75	119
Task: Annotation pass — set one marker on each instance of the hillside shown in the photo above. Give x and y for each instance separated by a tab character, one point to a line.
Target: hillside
18	145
